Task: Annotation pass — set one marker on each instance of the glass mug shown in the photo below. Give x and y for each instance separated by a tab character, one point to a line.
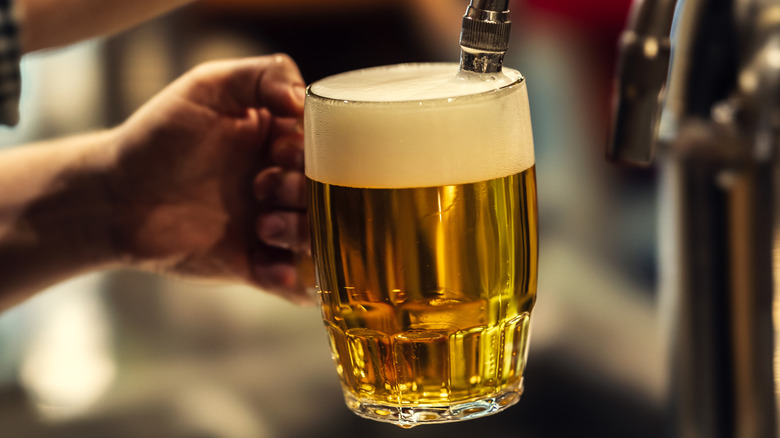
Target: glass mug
422	204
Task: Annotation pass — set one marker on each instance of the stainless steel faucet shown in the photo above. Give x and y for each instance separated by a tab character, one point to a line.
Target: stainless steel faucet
484	36
713	116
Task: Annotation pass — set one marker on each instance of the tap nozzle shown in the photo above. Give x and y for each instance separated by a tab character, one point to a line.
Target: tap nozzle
484	36
645	52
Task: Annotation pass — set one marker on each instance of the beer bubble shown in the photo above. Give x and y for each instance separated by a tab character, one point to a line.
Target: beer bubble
366	388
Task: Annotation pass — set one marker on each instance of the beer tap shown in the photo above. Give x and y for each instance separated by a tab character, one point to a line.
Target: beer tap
715	121
645	50
484	36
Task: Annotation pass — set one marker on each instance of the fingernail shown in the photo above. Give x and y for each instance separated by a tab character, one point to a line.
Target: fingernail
272	228
285	276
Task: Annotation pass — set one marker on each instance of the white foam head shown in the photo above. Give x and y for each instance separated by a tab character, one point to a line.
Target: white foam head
416	125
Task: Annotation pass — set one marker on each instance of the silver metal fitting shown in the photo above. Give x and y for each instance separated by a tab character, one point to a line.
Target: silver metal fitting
484	36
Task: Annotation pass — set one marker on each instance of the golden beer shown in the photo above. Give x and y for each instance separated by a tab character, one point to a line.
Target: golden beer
424	236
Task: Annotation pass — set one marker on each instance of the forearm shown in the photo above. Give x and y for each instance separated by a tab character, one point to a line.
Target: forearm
52	23
55	213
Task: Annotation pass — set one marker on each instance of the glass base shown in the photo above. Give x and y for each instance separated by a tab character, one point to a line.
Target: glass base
409	416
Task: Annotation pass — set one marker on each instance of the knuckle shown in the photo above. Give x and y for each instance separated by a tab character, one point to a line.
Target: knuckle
283	59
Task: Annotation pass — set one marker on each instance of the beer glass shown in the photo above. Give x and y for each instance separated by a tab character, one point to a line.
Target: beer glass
422	205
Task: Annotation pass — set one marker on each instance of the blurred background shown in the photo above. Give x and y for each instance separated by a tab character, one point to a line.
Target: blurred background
129	354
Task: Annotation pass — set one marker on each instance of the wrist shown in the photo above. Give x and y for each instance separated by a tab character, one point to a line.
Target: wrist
120	194
87	199
133	190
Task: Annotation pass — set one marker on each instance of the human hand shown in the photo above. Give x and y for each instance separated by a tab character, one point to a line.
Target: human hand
209	177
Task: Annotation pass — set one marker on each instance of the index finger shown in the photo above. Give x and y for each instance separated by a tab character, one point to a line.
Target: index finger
272	82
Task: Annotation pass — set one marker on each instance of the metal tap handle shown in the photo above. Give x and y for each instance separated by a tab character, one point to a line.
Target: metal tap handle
484	36
645	51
